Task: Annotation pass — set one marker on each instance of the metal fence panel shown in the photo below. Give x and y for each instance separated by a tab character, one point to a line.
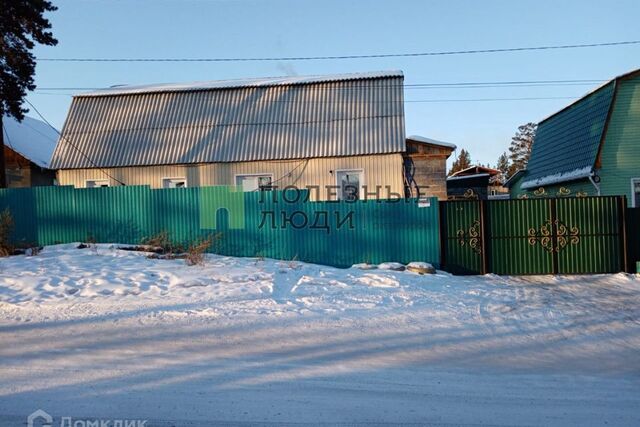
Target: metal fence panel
517	241
534	236
380	230
588	235
462	234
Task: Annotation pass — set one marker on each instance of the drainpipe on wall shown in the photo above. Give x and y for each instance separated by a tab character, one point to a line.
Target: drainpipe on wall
594	183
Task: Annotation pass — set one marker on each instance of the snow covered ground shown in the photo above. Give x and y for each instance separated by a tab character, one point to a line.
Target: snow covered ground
109	334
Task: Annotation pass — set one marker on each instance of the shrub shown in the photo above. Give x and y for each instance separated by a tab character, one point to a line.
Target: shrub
6	227
196	250
162	241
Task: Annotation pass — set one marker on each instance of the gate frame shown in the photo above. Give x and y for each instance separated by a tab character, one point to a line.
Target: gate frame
485	239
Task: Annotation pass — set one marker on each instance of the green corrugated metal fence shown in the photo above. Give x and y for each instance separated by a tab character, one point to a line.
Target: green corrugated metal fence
535	236
381	231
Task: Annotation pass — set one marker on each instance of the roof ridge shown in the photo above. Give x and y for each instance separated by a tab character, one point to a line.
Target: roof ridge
591	92
241	83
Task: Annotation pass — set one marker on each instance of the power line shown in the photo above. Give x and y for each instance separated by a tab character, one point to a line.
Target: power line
508	82
73	145
493	99
8	139
342	57
410	101
452	85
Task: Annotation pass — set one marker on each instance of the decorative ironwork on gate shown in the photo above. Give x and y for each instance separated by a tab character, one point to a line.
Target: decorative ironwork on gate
539	235
551	241
471	237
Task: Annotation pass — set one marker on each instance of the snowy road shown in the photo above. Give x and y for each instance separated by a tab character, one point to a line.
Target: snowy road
109	334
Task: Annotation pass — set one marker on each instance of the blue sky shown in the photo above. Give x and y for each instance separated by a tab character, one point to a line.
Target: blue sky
258	28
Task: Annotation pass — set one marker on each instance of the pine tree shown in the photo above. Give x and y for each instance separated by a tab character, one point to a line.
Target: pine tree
520	148
22	25
503	166
463	161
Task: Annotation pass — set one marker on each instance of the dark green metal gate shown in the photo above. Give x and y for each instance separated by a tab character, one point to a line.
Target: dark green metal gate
534	236
462	235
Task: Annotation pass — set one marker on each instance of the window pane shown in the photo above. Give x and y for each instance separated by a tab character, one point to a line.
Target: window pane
349	183
174	182
264	183
636	193
97	183
254	182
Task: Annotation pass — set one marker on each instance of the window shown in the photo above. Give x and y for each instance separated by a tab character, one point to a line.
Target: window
635	192
261	182
95	183
174	182
350	184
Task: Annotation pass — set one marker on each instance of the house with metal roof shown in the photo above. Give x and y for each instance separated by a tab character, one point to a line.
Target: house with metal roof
341	131
590	147
28	146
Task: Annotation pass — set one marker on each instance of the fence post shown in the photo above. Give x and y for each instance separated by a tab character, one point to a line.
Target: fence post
442	227
622	217
483	236
554	235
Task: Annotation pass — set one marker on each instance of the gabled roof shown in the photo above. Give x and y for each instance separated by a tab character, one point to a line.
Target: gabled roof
514	178
471	176
567	143
235	121
32	139
475	170
240	83
425	140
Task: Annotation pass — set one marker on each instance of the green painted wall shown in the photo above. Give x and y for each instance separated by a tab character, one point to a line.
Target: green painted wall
574	187
620	156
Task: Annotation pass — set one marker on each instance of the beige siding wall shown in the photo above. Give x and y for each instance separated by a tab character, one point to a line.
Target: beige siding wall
379	170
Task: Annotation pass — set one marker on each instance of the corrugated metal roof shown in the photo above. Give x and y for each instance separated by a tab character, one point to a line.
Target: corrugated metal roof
237	83
302	117
33	139
566	144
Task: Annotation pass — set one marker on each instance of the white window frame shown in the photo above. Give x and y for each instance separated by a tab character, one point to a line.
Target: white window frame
236	176
87	181
362	184
633	194
170	178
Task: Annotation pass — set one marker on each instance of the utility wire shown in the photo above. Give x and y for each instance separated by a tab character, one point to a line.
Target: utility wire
492	99
73	145
487	85
341	57
408	101
4	129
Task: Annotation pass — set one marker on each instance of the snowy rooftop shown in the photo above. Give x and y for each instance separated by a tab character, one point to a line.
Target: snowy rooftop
431	141
33	139
476	175
237	83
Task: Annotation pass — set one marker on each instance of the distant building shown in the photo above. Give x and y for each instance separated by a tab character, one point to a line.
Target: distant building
590	147
344	131
425	167
27	151
476	182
